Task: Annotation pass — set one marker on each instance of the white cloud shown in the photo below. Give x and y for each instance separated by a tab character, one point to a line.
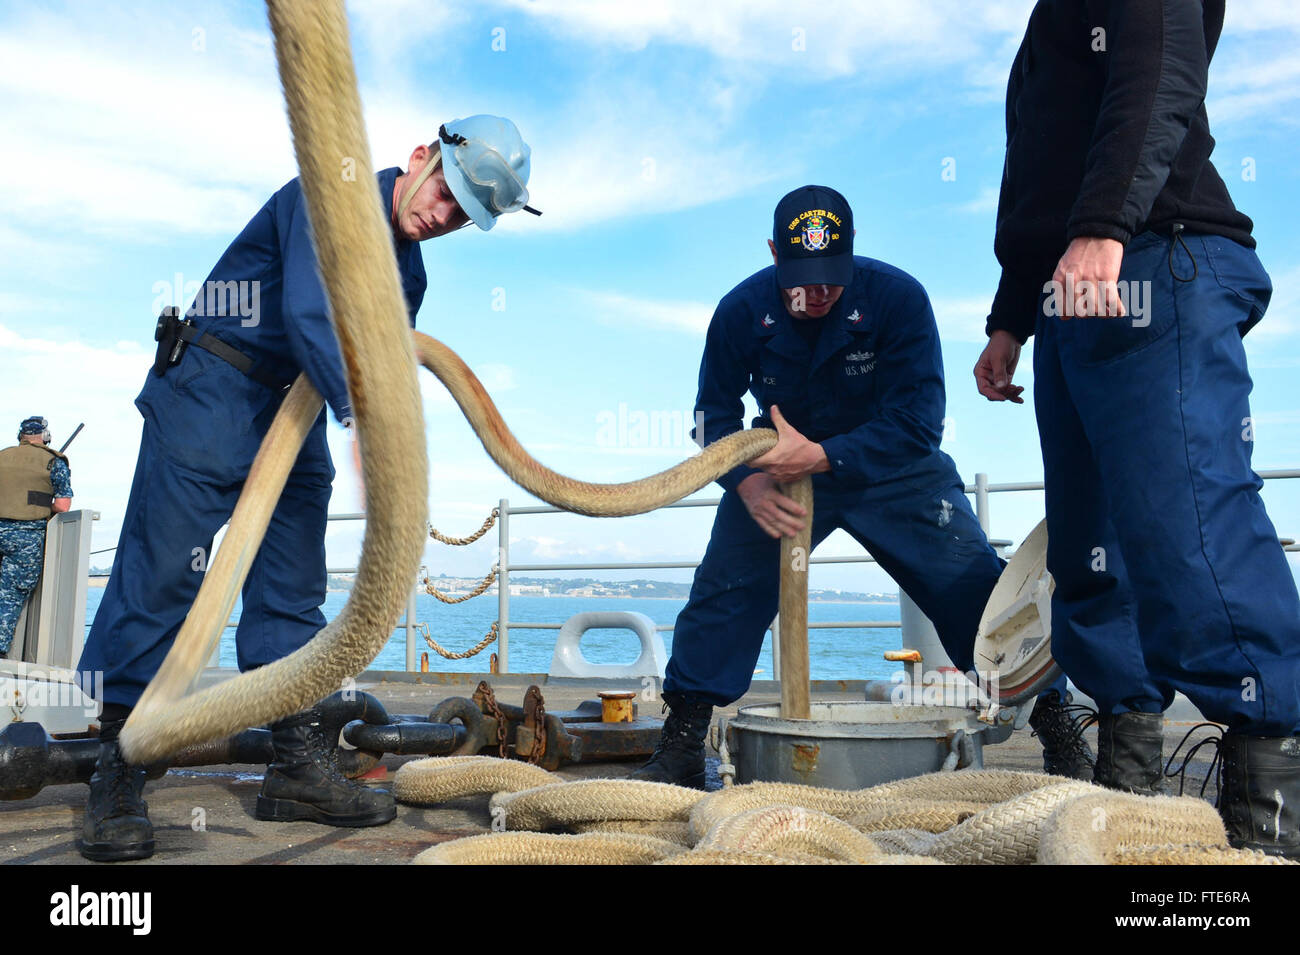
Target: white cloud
961	320
833	38
132	128
623	310
1251	83
526	549
1255	71
68	382
1261	16
985	202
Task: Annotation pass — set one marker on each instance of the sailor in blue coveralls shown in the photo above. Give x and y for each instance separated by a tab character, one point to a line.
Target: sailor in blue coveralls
844	353
1124	256
261	318
35	483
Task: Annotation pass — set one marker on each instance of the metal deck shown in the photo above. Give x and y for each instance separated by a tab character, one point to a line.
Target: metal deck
205	815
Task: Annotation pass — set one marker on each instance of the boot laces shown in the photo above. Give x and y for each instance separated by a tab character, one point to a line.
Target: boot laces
325	752
677	732
1215	772
123	798
1062	728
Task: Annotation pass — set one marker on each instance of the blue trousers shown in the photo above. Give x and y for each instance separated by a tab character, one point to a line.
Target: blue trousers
1169	575
166	539
921	530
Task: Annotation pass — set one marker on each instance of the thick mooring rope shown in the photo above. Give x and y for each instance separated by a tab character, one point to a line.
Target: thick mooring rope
995	817
954	817
353	245
354	249
581	497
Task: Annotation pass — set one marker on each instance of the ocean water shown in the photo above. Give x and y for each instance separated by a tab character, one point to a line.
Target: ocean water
840	654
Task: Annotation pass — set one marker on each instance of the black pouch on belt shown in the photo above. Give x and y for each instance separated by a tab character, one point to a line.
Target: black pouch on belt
173	333
170	345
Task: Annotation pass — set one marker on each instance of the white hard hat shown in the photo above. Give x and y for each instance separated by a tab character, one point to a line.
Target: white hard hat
486	164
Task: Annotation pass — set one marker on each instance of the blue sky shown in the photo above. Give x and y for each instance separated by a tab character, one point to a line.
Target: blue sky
139	141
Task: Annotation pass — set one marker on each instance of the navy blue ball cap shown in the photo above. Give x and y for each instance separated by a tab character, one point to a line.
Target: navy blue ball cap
813	234
33	425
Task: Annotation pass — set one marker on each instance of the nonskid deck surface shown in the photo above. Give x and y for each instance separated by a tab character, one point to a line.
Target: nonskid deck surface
205	815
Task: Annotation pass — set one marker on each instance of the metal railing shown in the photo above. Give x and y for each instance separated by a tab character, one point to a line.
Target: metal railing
980	490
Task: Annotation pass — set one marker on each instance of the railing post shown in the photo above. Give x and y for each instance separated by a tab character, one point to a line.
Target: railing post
982	500
776	647
503	585
410	631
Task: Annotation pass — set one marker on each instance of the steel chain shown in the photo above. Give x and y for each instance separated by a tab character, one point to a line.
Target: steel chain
539	733
490	701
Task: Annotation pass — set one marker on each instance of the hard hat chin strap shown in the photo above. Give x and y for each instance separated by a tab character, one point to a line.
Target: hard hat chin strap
424	174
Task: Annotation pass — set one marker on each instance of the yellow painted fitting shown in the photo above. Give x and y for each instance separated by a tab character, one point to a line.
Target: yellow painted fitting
903	656
616	705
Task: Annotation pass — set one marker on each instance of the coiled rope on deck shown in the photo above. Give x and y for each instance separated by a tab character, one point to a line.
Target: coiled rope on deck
999	817
354	250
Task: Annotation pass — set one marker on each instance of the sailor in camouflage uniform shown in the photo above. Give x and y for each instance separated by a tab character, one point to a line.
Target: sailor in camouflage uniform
35	482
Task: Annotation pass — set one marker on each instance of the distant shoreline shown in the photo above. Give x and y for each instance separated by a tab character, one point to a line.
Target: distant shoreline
101	582
816	600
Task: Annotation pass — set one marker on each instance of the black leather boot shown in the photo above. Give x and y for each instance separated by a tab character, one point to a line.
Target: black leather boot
305	782
1129	752
1059	727
1260	795
117	823
679	757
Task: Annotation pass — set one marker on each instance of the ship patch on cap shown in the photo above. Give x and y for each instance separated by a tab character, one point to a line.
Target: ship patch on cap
815	229
813	234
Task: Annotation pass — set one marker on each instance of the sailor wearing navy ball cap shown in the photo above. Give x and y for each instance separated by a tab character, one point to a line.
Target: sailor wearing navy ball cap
841	352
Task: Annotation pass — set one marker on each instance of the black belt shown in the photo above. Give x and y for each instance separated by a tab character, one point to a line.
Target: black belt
233	356
173	333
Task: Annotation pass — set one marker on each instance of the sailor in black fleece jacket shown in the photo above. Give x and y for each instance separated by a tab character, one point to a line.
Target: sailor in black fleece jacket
1122	251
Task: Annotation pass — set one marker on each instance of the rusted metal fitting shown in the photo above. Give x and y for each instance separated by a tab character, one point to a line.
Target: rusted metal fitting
616	706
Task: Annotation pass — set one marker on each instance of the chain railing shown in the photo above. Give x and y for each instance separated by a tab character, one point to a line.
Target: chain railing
499	574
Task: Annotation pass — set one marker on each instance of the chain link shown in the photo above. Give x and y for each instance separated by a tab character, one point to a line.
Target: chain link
462	541
539	733
450	655
489	699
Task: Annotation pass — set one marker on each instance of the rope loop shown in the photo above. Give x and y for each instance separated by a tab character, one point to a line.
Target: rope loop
482	586
465	655
462	541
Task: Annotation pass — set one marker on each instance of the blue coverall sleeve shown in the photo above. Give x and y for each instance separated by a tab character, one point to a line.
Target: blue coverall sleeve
909	397
306	312
724	379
